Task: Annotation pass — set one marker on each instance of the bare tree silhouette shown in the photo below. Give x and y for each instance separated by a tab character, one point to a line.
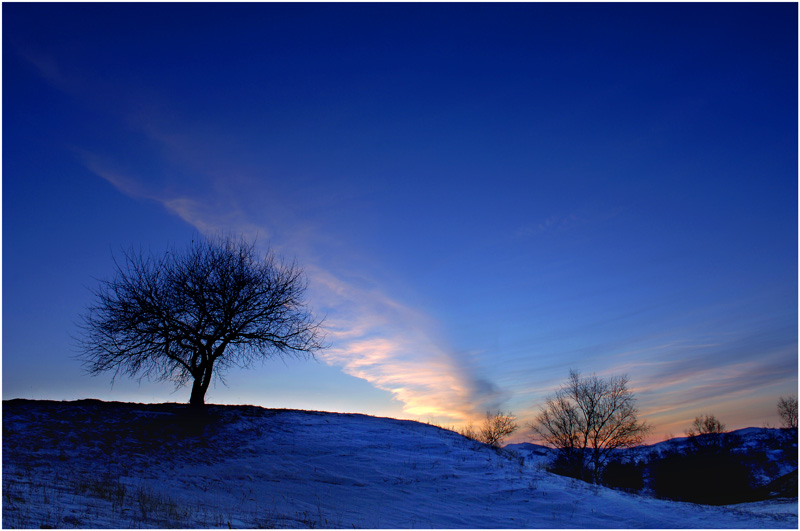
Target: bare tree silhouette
496	428
707	431
787	409
193	314
587	418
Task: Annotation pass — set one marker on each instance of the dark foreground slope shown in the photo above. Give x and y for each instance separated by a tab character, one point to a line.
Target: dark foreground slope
116	465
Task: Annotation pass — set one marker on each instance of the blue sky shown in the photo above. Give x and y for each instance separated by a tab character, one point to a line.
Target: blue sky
483	196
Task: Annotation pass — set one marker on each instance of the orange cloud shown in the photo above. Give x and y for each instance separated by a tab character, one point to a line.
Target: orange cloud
395	348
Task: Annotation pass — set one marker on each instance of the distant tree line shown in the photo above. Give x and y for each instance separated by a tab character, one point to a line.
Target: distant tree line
591	421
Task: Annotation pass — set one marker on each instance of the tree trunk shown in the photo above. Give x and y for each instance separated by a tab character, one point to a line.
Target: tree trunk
200	386
198	396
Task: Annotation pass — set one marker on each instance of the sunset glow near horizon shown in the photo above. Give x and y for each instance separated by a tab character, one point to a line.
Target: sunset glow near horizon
483	196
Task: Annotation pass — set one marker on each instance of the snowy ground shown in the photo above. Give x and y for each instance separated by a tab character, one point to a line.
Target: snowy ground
113	465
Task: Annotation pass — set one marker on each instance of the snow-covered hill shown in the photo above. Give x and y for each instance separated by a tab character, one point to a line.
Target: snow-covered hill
97	464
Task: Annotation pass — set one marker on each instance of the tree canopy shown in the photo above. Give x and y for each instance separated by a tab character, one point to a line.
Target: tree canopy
191	314
589	417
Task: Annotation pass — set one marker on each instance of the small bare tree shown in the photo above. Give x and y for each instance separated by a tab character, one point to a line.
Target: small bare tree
588	418
496	428
707	432
190	315
787	409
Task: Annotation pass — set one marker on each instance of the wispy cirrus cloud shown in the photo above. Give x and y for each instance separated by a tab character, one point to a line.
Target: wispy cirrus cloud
710	372
208	215
48	67
372	335
558	224
128	186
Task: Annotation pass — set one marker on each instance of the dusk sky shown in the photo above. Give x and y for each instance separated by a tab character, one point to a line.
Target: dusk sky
483	196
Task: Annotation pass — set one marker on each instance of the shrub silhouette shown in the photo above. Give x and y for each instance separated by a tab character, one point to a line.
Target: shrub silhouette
708	432
569	462
496	428
468	431
708	472
702	476
624	475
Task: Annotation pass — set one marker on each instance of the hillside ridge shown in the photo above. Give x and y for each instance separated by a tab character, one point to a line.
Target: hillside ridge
90	463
